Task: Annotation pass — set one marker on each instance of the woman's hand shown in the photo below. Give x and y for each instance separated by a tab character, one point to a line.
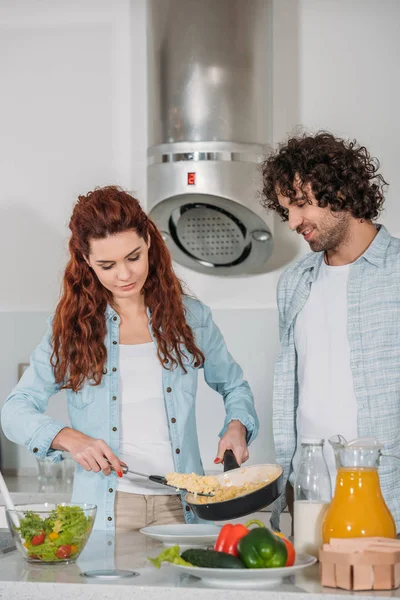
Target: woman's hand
233	439
91	454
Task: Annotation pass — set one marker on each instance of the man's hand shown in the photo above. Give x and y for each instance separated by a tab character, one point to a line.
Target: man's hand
234	439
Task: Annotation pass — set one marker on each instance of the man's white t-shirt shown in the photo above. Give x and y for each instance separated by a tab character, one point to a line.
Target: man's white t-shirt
327	403
145	440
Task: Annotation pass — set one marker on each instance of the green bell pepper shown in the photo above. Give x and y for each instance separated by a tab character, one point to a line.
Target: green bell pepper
261	549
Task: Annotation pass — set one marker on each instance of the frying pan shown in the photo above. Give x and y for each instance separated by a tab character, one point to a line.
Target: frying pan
241	505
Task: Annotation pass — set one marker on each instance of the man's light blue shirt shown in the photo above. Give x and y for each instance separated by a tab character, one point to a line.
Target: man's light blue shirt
373	329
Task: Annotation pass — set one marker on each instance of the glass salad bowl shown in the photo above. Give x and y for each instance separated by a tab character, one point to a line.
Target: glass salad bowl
51	533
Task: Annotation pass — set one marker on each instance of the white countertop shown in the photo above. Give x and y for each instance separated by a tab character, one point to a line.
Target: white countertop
24	581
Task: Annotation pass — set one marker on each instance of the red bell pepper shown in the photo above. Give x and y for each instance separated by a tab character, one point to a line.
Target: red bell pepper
291	553
230	535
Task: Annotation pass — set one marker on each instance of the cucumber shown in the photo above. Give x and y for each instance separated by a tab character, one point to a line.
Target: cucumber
211	559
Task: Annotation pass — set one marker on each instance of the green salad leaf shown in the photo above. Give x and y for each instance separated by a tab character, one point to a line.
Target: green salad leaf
171	555
31	525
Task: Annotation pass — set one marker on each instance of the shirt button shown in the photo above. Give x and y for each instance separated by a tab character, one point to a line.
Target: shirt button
169	390
115	318
173	420
114	429
109	518
36	450
114	397
187	508
114	369
177	451
115	342
110	490
104	371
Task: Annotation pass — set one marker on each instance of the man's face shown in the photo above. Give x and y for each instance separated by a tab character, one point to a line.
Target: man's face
320	227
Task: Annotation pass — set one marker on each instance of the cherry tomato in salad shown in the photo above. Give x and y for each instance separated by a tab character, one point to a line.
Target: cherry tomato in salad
38	539
63	551
291	553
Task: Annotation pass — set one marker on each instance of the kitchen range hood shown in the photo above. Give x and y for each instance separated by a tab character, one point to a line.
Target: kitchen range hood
209	115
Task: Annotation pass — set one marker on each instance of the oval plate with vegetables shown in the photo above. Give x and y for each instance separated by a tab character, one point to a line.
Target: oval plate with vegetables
242	557
245	578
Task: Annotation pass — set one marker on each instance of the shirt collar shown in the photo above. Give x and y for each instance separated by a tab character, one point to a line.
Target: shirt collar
110	312
375	253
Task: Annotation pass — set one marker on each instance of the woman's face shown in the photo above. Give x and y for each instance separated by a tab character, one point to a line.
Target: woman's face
121	263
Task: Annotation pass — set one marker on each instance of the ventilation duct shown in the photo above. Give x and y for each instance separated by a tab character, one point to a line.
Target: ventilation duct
208	121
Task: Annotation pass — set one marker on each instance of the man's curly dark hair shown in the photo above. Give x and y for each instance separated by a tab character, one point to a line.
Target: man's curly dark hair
342	175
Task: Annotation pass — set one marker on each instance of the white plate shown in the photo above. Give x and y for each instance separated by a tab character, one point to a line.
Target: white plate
185	536
245	578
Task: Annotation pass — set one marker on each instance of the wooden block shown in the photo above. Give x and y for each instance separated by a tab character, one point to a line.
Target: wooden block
356	543
344	577
328	578
383	577
348	558
363	577
397	575
339	548
361	564
383	556
363	541
393	543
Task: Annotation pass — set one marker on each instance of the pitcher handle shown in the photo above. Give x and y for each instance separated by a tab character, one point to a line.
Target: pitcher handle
389	456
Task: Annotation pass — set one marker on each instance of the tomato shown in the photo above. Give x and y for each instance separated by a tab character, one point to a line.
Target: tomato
291	553
63	551
38	539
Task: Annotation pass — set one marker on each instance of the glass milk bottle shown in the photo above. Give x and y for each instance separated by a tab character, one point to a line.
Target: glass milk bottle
312	496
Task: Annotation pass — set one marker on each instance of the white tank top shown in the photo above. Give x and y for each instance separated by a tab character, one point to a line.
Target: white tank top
145	441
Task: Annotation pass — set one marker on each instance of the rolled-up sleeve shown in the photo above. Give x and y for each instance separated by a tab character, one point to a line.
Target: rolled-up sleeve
224	375
22	418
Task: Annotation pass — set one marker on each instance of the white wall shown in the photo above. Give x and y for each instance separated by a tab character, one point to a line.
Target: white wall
73	116
349	79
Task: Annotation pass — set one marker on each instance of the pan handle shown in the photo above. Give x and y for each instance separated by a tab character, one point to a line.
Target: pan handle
230	461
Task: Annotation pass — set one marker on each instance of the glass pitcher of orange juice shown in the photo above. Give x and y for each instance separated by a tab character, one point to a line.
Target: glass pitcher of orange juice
358	508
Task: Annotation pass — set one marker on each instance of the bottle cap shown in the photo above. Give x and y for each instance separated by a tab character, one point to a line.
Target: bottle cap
312	441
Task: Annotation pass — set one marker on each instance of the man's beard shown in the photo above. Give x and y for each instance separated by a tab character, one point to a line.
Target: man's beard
332	233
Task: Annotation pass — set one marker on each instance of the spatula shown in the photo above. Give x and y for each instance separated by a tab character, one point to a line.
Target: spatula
157	479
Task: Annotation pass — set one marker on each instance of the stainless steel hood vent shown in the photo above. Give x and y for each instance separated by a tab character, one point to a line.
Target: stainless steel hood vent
208	120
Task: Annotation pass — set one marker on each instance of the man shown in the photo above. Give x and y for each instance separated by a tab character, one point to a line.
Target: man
338	371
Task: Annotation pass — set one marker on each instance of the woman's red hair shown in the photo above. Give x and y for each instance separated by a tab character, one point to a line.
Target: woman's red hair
79	325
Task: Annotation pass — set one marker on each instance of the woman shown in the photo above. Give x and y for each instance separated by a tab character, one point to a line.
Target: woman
126	343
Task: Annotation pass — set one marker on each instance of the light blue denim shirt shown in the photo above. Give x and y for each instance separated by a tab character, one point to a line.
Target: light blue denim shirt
373	329
95	409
